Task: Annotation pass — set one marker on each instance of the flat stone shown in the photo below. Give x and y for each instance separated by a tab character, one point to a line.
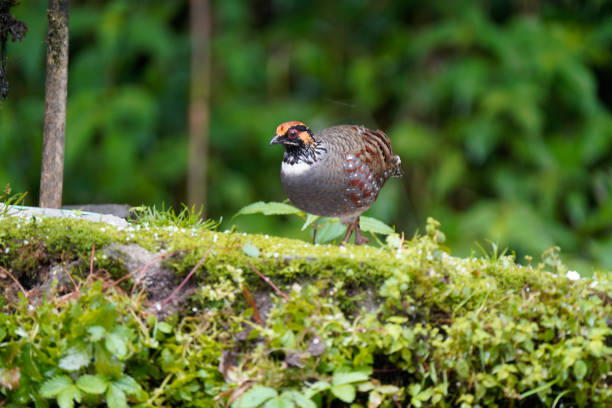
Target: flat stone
28	212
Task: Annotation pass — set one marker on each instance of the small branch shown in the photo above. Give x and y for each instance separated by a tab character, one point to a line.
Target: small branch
195	268
93	251
15	280
76	287
251	302
268	281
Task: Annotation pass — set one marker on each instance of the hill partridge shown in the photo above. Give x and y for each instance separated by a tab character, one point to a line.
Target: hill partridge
335	172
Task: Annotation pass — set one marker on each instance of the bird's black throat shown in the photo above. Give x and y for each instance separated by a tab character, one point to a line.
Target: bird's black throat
303	153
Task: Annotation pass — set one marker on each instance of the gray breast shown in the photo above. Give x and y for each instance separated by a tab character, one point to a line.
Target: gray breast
319	188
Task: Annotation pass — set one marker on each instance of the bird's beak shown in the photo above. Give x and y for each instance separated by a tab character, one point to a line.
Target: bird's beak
275	140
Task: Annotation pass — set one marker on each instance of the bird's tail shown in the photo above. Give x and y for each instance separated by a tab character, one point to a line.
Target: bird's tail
396	167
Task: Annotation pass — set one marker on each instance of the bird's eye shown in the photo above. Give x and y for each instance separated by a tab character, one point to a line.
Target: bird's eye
293	133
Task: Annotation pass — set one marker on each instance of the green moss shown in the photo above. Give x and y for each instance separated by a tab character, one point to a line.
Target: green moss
407	323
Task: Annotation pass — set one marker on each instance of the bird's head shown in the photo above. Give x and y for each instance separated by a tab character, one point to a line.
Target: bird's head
293	135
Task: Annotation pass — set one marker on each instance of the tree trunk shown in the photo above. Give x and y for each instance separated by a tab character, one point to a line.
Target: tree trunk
199	110
56	89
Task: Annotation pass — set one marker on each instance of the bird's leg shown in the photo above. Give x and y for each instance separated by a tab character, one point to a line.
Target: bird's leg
359	238
315	227
349	231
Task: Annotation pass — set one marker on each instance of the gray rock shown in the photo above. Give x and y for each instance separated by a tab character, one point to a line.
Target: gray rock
26	212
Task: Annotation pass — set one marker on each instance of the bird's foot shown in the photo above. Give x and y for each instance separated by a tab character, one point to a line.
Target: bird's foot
359	238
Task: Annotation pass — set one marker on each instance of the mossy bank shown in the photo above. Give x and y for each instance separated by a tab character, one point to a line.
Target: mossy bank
272	322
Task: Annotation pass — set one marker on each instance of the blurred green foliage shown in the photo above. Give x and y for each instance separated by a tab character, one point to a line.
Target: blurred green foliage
499	109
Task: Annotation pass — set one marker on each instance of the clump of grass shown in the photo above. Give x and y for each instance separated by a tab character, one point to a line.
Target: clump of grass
8	199
187	217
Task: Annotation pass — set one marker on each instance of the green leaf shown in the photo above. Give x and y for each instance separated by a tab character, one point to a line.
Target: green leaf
128	385
92	384
330	230
346	392
116	345
66	397
462	368
347	378
53	386
251	250
164	327
310	218
30	368
271	208
279	402
300	399
317	387
288	339
96	333
75	358
580	369
115	397
373	225
106	364
255	397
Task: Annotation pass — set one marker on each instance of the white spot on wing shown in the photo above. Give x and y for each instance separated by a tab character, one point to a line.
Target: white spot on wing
296	169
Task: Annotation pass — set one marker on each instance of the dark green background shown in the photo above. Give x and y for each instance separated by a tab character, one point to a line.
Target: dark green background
500	110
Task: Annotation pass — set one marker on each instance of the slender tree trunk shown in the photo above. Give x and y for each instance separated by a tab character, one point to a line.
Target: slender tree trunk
56	89
199	109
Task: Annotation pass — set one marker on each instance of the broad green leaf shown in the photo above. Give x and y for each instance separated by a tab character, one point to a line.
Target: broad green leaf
279	402
374	399
2	333
107	364
115	397
254	397
116	345
75	358
164	327
53	386
128	385
96	333
346	392
271	208
251	250
288	339
370	224
580	369
92	384
330	230
310	218
347	378
66	397
30	367
300	399
316	388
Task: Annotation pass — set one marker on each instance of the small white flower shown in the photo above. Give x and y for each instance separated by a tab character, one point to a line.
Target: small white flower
25	242
6	250
215	238
572	275
593	284
343	248
158	307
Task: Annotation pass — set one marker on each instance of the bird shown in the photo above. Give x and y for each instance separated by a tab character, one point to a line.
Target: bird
337	171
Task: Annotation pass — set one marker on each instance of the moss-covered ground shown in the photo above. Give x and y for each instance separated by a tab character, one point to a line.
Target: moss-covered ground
274	322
